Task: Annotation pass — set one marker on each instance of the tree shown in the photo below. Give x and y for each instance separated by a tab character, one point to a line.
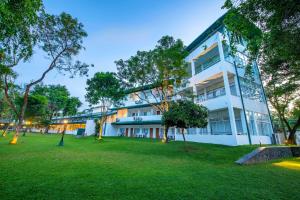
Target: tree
185	114
272	31
72	105
104	89
156	73
60	37
57	96
36	109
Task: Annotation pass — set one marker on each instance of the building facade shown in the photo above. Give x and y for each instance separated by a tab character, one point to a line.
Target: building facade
234	96
238	112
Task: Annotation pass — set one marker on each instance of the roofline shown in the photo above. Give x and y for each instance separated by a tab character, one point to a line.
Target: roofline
206	34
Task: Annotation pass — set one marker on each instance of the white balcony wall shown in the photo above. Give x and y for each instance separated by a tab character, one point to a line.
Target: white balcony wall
140	118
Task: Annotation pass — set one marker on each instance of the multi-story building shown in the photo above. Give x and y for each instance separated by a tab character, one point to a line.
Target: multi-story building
238	112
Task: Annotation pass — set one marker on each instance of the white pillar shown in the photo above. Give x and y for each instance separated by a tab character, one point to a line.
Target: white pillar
208	127
236	86
220	46
195	92
193	67
229	105
244	125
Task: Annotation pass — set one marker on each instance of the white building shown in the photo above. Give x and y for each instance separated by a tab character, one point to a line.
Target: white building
238	113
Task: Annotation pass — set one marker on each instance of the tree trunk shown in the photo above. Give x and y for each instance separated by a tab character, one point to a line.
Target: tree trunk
292	137
182	132
24	132
165	137
21	117
5	131
16	135
47	129
283	128
102	121
100	131
292	131
61	142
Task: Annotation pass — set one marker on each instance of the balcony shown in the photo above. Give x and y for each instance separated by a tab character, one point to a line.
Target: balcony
211	94
151	119
207	58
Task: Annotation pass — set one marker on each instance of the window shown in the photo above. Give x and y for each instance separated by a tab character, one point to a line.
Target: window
202	131
122	131
263	124
233	89
145	131
216	93
220	123
207	60
158	112
251	90
137	131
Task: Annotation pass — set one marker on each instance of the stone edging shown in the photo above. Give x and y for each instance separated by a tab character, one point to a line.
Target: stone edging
264	154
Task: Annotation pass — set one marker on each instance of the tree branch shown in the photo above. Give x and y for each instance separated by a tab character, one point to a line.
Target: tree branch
6	88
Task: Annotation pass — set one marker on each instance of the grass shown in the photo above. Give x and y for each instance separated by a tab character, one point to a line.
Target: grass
124	168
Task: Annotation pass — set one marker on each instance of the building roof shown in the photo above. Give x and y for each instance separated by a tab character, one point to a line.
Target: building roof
206	34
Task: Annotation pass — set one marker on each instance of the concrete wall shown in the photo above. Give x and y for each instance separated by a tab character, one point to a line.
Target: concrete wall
243	139
213	139
90	127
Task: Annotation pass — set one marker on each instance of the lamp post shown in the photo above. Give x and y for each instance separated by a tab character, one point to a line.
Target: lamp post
27	123
61	143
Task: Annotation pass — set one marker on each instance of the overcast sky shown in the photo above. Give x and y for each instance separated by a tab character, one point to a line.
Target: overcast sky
118	28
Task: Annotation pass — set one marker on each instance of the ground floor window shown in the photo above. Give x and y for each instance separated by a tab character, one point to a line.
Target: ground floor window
122	131
220	123
145	131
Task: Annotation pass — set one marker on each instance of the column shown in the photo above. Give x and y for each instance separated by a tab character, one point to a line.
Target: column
193	67
195	93
243	121
236	85
220	46
229	105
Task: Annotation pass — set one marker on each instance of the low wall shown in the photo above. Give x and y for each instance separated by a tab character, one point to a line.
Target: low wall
213	139
264	154
255	139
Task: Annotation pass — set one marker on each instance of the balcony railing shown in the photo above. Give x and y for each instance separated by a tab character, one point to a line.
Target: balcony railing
211	94
199	67
139	118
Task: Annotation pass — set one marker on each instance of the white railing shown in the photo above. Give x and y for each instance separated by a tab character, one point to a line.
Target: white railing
139	118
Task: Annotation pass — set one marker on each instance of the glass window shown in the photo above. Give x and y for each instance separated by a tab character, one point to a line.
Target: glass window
207	60
220	123
137	131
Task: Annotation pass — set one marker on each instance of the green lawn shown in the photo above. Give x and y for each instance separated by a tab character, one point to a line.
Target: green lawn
124	168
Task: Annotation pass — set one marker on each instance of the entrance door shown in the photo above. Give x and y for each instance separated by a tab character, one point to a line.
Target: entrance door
157	133
131	132
151	133
126	132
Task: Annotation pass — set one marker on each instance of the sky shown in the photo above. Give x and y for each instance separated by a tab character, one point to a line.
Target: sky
117	29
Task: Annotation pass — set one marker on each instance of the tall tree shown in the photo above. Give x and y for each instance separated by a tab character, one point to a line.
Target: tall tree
60	37
35	111
272	31
185	114
156	73
72	105
57	96
104	89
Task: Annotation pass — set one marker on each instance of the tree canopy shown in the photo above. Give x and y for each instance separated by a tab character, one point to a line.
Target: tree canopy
24	26
104	88
185	114
160	70
58	101
272	31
